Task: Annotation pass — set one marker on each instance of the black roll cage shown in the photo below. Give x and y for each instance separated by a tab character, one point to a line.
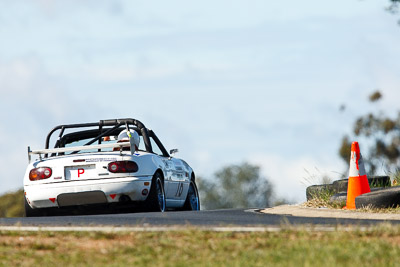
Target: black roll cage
116	127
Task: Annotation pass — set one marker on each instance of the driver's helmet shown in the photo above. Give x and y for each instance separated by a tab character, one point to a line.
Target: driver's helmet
132	136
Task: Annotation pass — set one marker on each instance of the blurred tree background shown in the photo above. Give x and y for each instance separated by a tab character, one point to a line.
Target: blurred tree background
382	133
236	186
394	7
12	204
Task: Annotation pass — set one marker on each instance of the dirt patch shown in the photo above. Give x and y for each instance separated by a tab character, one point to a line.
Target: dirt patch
300	211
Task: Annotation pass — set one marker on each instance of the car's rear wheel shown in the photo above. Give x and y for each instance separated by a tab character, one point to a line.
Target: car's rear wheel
192	199
156	198
29	212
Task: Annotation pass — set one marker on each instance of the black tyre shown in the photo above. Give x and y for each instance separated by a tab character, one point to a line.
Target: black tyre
342	196
192	199
339	198
340	185
156	199
29	212
384	198
373	181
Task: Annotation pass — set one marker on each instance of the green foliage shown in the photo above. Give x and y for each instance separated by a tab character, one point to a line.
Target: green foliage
12	204
384	134
236	186
375	246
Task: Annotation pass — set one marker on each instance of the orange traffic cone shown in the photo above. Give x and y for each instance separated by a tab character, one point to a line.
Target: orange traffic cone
358	181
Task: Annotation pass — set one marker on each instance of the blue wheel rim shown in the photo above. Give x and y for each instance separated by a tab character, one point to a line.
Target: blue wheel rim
193	197
160	195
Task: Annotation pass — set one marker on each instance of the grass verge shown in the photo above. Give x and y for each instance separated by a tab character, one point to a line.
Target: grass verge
375	247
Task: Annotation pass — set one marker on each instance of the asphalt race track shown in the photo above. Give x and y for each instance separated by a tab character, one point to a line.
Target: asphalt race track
218	218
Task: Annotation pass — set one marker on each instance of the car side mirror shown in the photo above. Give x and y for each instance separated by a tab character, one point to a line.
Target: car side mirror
173	151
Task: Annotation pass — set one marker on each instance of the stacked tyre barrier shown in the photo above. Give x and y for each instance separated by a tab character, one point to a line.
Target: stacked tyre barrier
381	195
381	198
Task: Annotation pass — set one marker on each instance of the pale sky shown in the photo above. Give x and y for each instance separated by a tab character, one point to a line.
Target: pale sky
223	81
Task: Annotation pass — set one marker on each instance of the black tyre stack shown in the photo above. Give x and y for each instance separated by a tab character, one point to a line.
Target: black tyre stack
380	197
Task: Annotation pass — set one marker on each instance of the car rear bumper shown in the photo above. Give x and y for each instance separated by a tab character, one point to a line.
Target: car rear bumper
74	193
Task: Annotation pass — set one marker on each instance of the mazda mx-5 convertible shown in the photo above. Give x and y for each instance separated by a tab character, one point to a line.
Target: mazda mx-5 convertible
107	165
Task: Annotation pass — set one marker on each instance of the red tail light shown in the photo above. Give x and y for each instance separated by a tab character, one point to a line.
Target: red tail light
40	173
122	166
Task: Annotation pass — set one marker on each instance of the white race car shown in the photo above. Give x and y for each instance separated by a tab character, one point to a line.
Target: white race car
107	165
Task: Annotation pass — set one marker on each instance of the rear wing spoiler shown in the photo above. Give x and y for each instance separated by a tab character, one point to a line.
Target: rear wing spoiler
76	148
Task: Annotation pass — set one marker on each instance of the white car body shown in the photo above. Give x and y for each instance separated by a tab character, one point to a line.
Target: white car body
85	178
